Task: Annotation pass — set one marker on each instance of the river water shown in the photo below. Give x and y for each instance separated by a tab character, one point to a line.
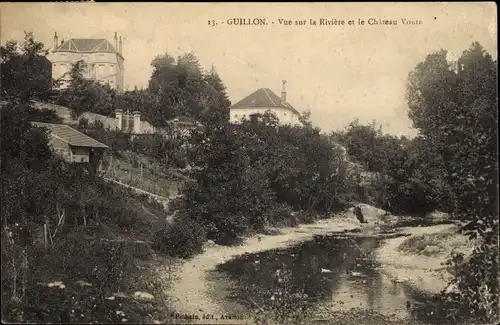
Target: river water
337	273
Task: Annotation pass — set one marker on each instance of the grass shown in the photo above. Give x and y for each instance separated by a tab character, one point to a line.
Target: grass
436	244
147	178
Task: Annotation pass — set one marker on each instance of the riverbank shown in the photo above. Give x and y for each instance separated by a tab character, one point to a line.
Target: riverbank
197	296
422	271
191	292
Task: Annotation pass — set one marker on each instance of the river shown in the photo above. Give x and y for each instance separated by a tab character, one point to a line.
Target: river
319	280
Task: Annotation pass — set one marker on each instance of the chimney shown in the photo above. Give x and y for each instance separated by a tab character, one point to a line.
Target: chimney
116	41
56	43
283	92
119	118
120	46
137	122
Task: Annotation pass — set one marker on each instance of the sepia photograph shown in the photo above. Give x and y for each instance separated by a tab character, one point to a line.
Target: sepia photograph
249	163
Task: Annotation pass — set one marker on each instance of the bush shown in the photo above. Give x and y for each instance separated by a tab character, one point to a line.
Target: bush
306	217
83	123
282	215
184	238
98	124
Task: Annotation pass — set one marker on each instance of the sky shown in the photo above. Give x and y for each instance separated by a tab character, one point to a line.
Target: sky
338	72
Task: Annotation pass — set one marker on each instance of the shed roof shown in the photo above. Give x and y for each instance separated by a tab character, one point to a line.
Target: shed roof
264	97
71	136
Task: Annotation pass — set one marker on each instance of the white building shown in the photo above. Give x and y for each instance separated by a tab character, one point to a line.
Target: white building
263	100
102	61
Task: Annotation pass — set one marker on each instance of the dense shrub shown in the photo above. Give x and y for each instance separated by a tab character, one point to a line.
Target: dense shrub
456	113
115	140
83	123
306	217
402	179
247	170
183	238
282	215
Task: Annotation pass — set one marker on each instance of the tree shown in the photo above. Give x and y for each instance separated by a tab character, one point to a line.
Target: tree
182	88
230	194
26	73
455	111
218	107
83	95
246	170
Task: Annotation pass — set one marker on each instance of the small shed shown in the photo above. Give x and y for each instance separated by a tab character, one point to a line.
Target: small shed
72	145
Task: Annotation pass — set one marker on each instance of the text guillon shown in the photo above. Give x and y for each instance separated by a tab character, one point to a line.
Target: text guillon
333	22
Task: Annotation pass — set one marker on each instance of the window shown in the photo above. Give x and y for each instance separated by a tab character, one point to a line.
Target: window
101	65
112	65
285	114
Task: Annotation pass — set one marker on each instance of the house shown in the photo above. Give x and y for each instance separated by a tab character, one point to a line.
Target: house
102	61
72	145
262	100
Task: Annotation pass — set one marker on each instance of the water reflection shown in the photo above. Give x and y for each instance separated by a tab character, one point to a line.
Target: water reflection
336	271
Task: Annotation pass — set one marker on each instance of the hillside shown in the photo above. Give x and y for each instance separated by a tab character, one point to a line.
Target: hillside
128	167
79	247
138	171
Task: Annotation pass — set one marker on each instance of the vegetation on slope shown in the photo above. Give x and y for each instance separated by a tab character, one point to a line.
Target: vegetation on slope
70	241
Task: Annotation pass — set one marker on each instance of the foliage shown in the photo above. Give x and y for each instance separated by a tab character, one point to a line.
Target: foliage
39	191
25	71
282	215
116	140
169	148
246	169
455	111
176	88
404	179
83	123
76	290
364	143
183	238
84	95
182	88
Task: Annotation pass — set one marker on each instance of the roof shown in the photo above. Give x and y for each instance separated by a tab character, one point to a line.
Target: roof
70	135
87	45
265	98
